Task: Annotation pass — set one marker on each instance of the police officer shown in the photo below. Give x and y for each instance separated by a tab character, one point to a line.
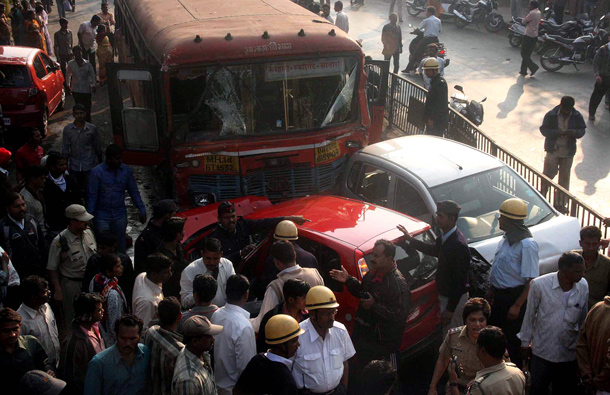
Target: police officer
498	377
320	365
436	112
234	232
68	255
514	266
460	345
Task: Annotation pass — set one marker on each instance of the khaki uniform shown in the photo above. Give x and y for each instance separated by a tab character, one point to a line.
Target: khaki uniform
501	379
459	344
71	265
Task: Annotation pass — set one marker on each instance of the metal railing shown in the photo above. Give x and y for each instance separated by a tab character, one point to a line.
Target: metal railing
404	95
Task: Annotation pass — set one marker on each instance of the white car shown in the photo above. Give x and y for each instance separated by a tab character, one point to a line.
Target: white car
409	174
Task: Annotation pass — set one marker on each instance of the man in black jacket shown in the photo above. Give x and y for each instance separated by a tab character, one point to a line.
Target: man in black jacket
151	237
234	232
436	112
561	127
60	191
453	262
384	307
601	67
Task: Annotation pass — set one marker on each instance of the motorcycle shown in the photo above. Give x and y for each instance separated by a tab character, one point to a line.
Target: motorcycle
473	110
416	7
516	32
414	44
560	51
481	12
571	29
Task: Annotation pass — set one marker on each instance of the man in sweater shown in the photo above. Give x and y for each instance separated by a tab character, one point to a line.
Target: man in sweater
284	258
597	265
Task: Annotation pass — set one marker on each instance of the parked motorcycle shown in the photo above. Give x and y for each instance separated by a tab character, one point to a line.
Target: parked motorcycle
559	51
416	7
473	110
571	29
516	33
481	12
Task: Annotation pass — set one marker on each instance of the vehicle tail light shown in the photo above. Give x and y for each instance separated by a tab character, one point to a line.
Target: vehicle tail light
33	91
441	52
362	267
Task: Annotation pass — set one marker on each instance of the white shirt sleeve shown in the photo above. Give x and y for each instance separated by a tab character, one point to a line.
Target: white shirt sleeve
186	289
269	302
245	348
533	301
145	310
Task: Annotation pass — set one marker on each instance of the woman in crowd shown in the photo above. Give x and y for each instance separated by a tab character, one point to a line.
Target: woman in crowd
33	32
106	284
461	346
104	51
17	19
43	20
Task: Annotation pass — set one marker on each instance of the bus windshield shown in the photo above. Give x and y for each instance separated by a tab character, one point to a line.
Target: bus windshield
227	101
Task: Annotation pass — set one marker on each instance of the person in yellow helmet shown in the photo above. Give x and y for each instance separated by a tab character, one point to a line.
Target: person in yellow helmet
270	372
436	112
514	266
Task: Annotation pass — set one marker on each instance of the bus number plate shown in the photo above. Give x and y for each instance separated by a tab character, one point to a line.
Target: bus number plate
220	164
328	152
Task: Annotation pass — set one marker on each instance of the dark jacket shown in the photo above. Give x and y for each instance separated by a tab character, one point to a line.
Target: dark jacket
28	356
381	326
436	107
75	357
263	376
234	242
27	247
149	240
126	281
601	62
550	129
453	264
57	200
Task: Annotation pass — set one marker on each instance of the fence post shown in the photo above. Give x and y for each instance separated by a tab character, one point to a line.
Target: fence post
391	97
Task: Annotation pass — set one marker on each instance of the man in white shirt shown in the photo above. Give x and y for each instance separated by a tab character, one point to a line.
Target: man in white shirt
37	318
341	20
147	291
80	80
212	263
235	346
431	26
556	309
284	258
320	365
87	31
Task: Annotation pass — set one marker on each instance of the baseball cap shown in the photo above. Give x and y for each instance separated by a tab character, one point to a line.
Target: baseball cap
41	383
199	325
78	212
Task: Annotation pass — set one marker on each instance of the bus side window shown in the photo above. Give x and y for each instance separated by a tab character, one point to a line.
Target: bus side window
138	113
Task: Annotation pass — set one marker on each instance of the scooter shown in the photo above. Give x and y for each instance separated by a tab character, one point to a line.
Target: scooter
414	44
560	51
416	7
473	110
481	12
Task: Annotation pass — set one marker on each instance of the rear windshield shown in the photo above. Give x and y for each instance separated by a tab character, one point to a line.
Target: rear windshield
14	76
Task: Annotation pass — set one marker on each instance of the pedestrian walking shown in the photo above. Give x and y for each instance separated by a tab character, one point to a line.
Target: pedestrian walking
597	265
436	110
147	289
80	77
108	182
151	238
561	127
235	346
601	68
391	37
5	27
43	19
270	372
321	362
513	267
384	306
531	22
68	255
398	8
451	249
87	31
30	153
35	176
497	377
592	349
559	9
341	20
60	190
193	373
432	53
34	36
63	44
556	309
17	17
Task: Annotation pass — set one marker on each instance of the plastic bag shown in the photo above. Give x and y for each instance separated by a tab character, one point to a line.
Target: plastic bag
67	5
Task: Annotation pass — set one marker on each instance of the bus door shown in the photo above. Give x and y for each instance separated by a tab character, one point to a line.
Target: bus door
135	112
376	91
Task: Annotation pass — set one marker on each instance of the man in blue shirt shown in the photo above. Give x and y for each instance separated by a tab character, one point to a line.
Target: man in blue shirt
106	195
122	369
514	266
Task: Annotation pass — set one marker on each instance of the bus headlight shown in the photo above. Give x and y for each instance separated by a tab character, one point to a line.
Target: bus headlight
203	199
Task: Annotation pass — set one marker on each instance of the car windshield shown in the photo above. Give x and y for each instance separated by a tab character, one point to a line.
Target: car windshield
418	268
227	101
481	195
14	76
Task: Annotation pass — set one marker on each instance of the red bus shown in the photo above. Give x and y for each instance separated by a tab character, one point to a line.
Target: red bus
240	97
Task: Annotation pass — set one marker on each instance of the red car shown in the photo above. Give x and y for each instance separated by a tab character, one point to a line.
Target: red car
31	87
342	231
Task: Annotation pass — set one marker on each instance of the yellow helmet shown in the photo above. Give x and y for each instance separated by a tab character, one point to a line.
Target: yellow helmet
514	208
430	64
286	230
281	328
320	297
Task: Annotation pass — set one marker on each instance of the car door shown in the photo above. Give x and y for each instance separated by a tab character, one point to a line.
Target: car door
51	85
409	200
371	183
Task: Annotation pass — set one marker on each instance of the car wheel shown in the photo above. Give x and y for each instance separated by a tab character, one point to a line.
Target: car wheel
62	103
44	124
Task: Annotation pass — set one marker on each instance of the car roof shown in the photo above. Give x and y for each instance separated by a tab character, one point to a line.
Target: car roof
348	220
433	160
16	55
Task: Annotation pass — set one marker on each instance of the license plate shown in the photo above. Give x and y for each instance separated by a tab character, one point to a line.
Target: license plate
220	164
7	121
328	152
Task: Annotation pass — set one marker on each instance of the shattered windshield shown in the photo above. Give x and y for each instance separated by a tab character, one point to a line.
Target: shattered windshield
227	101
